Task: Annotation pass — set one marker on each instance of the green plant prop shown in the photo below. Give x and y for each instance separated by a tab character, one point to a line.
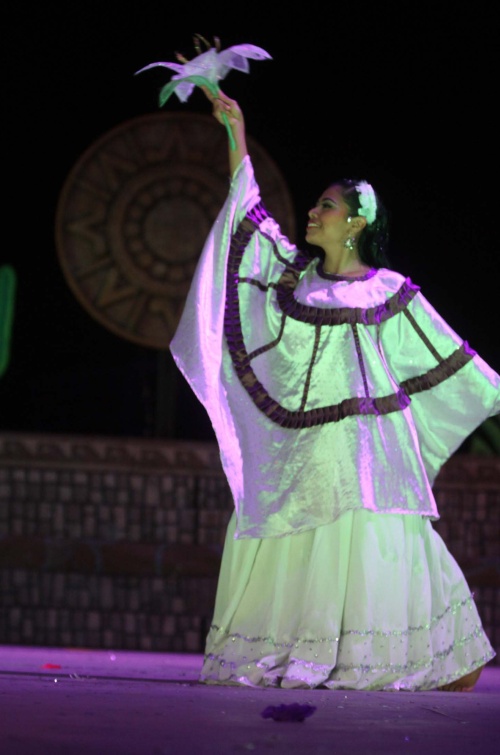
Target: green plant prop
7	295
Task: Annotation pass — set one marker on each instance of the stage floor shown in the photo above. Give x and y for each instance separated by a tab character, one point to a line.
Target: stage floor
70	700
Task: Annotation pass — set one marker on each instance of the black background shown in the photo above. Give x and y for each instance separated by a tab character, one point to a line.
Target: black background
400	94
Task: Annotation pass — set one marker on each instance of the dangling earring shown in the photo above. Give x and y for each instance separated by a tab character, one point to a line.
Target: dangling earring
350	242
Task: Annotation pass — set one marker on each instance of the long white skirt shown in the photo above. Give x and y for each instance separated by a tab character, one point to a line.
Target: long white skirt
371	601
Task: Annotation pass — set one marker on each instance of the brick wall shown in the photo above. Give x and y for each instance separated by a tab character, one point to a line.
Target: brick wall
114	543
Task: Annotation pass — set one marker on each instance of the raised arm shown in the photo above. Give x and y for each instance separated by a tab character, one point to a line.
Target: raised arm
225	106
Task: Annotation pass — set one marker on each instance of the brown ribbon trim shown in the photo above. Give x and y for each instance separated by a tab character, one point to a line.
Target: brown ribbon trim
318	317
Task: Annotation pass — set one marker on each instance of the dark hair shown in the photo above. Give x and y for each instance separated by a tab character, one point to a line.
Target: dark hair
373	241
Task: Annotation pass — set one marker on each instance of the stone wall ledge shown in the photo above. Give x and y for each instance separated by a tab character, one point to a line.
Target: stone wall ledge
120	558
147	455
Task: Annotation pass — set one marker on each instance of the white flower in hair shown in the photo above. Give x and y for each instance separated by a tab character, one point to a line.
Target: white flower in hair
367	200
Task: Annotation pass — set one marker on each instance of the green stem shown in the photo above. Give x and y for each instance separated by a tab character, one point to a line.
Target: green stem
232	143
215	91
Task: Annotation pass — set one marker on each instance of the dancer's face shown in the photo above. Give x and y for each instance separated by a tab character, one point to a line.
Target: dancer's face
328	219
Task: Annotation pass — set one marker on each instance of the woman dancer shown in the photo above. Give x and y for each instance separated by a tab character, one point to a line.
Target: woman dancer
336	393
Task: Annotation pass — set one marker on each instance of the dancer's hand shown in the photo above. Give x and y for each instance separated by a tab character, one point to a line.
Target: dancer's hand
224	105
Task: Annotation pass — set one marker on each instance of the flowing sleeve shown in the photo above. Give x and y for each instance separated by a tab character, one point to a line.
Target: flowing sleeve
452	389
196	342
198	346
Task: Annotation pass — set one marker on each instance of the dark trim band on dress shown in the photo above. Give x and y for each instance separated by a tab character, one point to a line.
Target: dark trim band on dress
271	345
257	215
303	418
445	369
258	284
320	269
341	315
437	356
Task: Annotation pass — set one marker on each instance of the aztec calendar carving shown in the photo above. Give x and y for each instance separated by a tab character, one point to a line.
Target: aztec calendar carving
134	213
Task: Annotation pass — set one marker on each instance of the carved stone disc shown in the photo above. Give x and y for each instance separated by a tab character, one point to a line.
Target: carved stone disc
134	213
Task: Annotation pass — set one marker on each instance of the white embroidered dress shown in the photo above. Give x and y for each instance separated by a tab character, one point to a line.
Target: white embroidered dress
335	402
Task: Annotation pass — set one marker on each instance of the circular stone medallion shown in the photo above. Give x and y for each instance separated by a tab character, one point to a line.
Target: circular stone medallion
135	211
